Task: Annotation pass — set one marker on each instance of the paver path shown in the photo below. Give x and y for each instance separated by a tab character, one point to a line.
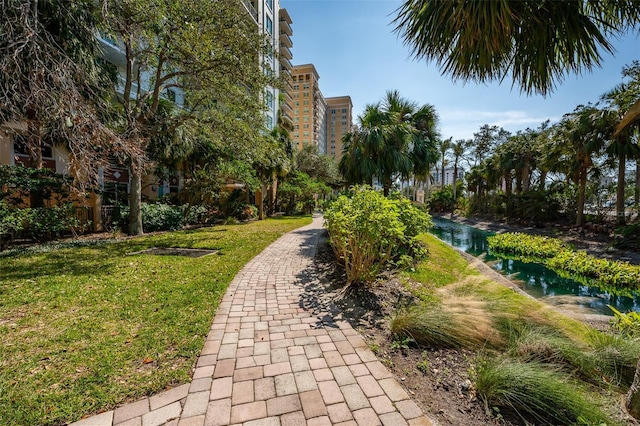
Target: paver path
268	360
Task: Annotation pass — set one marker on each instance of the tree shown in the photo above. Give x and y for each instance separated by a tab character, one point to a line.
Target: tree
443	147
50	84
536	43
624	143
213	53
458	148
578	137
393	139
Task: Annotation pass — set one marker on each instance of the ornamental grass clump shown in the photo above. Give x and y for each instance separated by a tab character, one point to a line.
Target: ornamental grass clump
369	232
537	393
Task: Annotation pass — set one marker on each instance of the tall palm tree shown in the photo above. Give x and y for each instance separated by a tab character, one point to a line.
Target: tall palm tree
443	148
578	137
393	138
458	148
624	143
536	42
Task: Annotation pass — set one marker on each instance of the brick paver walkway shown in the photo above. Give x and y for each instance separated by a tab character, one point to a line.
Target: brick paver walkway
268	360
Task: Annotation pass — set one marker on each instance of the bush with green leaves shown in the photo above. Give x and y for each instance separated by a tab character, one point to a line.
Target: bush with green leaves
12	222
628	324
532	246
368	232
161	217
559	257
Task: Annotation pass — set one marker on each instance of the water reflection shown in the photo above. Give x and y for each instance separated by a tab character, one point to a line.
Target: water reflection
537	280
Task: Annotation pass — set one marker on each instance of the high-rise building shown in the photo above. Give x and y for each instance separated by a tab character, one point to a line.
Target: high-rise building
308	108
317	120
339	122
286	99
265	14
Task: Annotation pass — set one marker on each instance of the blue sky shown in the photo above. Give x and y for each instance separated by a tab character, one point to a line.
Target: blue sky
355	52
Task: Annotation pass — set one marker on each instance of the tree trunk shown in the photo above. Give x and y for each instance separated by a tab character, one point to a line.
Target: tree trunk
135	199
455	178
526	178
543	178
260	201
633	396
622	168
582	187
34	147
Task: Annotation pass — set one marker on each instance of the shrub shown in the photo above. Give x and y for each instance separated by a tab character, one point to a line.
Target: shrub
532	246
161	217
155	217
628	324
559	257
442	200
536	393
12	222
367	232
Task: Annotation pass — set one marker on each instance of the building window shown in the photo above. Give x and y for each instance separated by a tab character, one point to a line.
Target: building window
305	103
305	94
269	26
270	4
305	86
296	87
344	110
269	100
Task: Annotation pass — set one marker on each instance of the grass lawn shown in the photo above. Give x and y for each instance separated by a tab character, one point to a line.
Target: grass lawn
87	328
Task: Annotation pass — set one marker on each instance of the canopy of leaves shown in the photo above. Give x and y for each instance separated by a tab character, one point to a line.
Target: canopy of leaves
534	42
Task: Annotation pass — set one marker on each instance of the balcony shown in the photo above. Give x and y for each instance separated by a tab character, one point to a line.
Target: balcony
111	50
285	65
285	40
285	53
251	9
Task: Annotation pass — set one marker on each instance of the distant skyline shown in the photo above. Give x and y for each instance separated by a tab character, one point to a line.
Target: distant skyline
353	47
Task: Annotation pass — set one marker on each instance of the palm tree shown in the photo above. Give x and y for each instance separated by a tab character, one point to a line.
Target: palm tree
393	138
537	42
458	148
577	138
624	143
443	148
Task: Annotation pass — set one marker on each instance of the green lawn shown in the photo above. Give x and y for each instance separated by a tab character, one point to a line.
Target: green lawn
87	328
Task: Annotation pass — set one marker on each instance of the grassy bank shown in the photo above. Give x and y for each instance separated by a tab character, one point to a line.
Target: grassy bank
87	328
530	360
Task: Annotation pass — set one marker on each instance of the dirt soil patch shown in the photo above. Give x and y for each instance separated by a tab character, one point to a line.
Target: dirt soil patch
438	380
176	251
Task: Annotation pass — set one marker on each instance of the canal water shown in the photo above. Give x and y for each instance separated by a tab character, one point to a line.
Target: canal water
534	278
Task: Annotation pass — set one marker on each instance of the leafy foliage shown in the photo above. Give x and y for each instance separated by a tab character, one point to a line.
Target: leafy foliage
367	232
533	246
559	257
535	42
396	137
626	323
